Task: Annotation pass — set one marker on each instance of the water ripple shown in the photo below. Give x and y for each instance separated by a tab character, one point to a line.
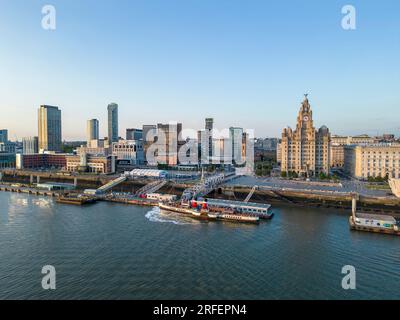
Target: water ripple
112	251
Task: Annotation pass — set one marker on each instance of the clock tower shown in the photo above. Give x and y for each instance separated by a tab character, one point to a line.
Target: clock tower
304	118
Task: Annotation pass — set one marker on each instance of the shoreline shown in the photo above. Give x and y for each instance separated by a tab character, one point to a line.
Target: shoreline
293	197
289	198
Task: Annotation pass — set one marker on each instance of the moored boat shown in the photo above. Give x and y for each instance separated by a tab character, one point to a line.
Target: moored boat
372	222
205	214
78	200
260	210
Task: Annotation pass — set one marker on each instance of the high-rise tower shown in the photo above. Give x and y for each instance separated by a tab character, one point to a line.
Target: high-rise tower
49	125
112	123
92	130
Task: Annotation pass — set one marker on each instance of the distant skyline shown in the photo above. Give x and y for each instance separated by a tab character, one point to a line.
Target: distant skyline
243	63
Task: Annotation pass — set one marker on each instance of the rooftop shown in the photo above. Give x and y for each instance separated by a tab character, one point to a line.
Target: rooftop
238	203
378	217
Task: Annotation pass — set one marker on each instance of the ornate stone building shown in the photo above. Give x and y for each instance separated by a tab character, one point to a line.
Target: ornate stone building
305	151
339	142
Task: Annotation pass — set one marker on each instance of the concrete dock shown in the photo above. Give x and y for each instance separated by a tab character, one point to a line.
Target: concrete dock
270	190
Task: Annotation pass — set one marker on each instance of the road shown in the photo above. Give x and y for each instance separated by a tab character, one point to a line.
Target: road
346	186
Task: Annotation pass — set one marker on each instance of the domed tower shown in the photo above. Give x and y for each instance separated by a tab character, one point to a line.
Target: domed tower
323	153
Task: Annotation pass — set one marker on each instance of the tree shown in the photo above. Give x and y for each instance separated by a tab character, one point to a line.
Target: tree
322	176
162	166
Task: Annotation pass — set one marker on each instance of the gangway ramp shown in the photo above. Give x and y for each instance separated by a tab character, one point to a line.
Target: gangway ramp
204	187
251	194
111	184
278	195
151	187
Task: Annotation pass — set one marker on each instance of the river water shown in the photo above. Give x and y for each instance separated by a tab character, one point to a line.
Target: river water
115	251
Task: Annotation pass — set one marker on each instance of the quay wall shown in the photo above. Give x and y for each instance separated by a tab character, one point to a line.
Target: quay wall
299	197
389	205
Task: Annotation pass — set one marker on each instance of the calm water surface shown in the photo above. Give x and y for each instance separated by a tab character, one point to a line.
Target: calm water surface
113	251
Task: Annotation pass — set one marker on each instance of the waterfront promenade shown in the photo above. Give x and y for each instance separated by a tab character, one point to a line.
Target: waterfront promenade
270	183
344	186
268	190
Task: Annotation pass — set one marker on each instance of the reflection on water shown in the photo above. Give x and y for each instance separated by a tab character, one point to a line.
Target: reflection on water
16	205
42	202
21	202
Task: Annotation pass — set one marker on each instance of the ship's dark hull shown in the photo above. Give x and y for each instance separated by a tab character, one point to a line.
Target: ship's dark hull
205	216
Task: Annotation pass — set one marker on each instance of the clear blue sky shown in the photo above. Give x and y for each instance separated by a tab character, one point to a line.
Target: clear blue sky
245	63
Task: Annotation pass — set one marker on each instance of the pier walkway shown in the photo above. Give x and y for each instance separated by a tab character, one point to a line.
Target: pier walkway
203	188
29	190
151	187
250	194
111	184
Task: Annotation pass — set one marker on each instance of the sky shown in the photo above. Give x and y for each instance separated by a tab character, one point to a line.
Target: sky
244	63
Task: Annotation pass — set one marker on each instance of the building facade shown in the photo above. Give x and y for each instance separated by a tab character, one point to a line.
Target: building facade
41	161
30	145
92	131
7	160
8	147
112	123
128	151
387	138
99	143
95	150
205	140
279	153
305	150
149	133
209	129
266	144
3	135
337	156
161	143
236	138
222	151
90	163
134	134
49	118
245	144
372	161
349	140
339	142
168	136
